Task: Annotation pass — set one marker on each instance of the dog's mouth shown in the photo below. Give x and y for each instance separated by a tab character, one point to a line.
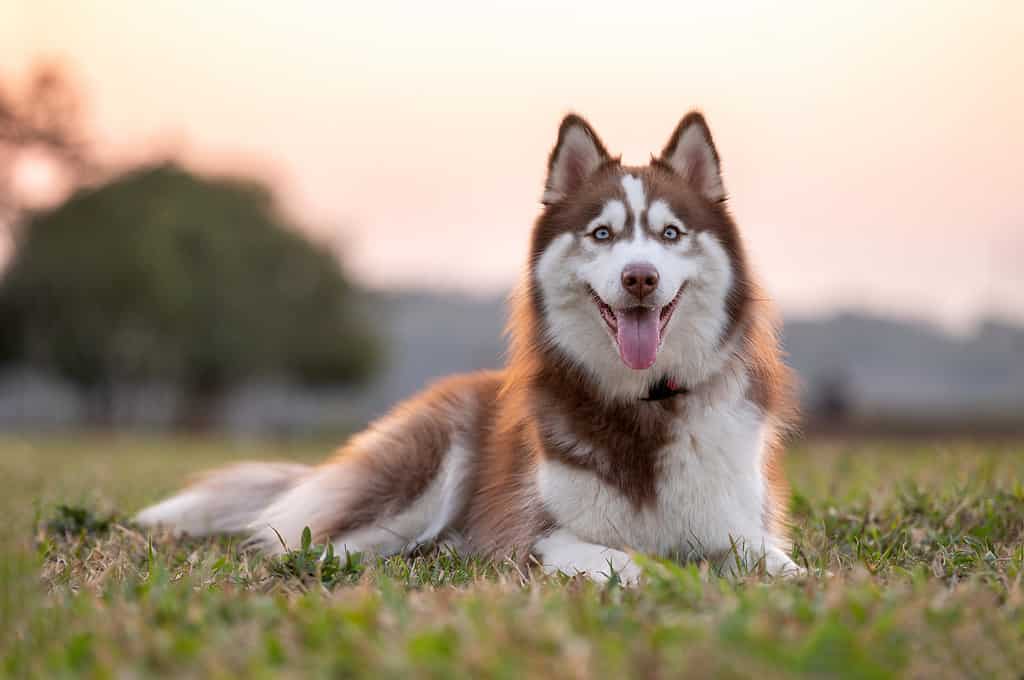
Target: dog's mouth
637	331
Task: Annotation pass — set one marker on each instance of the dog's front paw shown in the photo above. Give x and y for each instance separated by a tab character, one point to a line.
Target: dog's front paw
617	565
601	566
741	562
562	553
778	564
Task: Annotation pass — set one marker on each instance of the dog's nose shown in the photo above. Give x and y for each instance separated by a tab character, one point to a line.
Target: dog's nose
640	279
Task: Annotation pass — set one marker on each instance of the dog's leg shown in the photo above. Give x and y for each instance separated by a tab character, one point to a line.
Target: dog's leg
562	551
778	563
382	501
400	483
423	521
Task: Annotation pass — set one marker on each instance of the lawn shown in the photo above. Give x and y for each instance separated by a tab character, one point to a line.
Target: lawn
924	542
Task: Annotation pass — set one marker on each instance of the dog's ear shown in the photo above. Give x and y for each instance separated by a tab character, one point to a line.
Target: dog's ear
576	155
691	154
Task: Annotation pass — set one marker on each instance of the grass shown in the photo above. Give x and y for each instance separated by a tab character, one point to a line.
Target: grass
925	544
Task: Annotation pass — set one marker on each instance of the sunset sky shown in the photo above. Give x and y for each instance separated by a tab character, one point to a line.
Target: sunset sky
874	151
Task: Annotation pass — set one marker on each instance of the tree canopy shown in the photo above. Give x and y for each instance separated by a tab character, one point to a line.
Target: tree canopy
165	275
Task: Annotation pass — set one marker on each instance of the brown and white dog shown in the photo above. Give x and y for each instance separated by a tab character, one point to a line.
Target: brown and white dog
641	408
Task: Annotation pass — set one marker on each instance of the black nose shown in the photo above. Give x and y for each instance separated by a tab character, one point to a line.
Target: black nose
640	279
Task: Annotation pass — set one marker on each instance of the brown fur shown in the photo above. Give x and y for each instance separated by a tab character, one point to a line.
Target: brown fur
623	441
504	516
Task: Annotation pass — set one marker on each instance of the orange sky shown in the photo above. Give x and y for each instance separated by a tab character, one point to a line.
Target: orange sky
874	151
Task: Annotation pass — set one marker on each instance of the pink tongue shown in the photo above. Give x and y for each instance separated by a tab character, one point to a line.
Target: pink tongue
638	336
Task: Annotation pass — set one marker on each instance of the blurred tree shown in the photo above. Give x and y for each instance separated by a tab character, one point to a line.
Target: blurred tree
43	119
165	275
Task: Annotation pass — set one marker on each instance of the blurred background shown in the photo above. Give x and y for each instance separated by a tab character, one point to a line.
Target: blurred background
275	220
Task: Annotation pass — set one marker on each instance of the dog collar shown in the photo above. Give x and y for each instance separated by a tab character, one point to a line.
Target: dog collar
666	388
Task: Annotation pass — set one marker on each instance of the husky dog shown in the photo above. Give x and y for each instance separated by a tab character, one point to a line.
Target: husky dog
641	408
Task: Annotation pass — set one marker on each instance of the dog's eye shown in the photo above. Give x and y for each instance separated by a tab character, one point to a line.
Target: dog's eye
671	233
601	234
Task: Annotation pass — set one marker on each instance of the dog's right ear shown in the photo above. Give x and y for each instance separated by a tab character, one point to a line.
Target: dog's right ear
576	155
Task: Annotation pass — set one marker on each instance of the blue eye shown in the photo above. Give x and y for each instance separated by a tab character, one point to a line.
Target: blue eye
601	234
671	233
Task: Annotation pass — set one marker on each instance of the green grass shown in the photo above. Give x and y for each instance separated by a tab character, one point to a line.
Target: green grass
925	544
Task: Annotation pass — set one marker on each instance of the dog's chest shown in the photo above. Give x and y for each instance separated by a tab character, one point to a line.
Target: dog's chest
709	489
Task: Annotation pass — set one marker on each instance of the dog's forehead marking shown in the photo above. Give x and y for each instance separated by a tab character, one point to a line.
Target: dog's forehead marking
636	197
612	215
659	214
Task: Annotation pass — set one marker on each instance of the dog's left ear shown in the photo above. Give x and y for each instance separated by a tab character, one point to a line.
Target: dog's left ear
692	155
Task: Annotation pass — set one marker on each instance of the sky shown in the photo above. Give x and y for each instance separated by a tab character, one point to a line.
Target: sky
873	151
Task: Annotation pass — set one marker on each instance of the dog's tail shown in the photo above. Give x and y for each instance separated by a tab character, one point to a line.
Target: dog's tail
224	501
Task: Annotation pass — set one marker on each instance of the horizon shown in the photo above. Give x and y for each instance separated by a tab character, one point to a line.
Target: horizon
907	209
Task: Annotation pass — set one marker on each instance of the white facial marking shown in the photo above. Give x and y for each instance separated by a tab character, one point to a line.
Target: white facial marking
659	216
604	272
613	216
691	348
635	196
549	269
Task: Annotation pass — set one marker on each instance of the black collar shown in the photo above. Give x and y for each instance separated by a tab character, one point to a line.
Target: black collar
665	389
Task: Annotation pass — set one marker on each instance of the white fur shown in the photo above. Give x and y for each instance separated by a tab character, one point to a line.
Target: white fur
613	216
691	348
710	493
318	497
561	551
660	215
449	497
187	512
636	196
225	501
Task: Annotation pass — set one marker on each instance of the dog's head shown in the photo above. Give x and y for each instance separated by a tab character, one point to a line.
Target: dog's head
637	273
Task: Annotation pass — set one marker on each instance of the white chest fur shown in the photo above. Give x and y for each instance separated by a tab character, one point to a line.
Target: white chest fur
710	492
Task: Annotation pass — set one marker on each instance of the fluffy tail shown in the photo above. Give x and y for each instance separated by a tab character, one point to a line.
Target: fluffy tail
225	501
